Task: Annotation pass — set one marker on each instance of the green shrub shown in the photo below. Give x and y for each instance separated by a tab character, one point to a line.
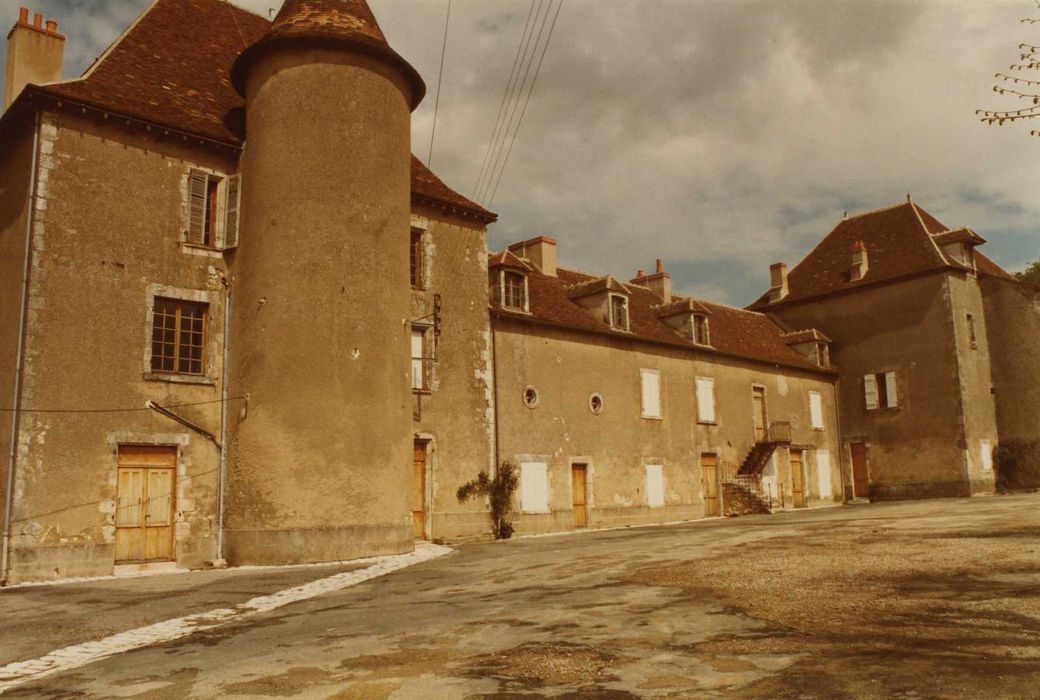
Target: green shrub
1017	463
499	491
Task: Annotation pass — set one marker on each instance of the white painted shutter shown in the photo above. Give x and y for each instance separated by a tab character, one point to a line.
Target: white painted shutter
870	391
417	360
986	454
890	388
654	485
231	218
197	181
651	385
815	409
823	474
534	487
705	400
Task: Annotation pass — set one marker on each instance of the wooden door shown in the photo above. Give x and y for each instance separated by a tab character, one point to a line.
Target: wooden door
145	504
419	490
860	484
579	494
797	479
710	485
758	401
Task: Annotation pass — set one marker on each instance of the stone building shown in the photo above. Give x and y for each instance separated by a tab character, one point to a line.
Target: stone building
240	322
933	342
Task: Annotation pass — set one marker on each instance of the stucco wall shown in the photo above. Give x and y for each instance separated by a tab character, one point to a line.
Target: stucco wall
916	450
566	367
14	203
1013	332
456	415
99	251
320	464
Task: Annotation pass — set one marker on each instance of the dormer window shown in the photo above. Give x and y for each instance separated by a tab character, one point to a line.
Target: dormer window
514	291
823	355
619	312
700	330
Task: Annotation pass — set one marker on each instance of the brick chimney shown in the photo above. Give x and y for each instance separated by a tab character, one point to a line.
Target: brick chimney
778	288
34	54
860	265
660	283
540	250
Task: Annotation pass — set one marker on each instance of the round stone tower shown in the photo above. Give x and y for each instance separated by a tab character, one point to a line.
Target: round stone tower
319	456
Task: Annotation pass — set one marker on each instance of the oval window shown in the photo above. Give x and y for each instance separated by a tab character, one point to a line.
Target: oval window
530	397
596	404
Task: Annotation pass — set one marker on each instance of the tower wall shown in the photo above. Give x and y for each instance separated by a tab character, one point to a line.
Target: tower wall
319	464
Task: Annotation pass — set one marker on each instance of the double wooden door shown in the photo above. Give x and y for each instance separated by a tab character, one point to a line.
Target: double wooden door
710	485
144	504
797	479
580	496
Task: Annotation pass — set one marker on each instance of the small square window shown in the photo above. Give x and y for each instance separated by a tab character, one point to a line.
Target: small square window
178	336
881	390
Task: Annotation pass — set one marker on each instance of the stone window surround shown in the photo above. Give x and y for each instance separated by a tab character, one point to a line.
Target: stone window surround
194	295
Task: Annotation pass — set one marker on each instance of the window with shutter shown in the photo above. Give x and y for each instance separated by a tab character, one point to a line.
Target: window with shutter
823	474
655	485
705	400
198	185
534	487
870	391
816	410
231	216
650	381
420	360
986	455
890	390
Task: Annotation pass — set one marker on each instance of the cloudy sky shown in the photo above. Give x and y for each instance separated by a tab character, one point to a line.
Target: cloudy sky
718	135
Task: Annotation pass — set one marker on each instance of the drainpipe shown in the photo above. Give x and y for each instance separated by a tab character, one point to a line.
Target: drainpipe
5	556
494	392
222	474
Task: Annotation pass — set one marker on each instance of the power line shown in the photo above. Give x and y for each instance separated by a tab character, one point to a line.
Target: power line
520	49
115	410
527	100
440	78
515	101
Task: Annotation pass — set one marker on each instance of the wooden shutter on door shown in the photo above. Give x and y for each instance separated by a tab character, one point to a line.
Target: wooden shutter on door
197	183
231	217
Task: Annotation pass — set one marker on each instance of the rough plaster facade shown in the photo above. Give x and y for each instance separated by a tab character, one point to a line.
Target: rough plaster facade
567	367
929	445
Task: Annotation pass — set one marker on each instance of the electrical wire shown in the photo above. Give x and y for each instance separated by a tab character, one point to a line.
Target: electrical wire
440	79
115	410
523	112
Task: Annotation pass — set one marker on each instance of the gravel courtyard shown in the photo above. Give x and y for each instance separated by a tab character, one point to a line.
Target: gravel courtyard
935	599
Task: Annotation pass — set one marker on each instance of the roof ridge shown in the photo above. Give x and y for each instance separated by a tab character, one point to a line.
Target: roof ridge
878	211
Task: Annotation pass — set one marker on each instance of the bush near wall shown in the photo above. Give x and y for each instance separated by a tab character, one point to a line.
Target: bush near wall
1017	463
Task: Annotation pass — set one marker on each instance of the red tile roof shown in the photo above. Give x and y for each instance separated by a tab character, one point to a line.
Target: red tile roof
734	332
348	22
172	68
900	242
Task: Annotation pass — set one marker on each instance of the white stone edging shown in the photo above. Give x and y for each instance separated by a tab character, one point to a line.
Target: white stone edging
68	658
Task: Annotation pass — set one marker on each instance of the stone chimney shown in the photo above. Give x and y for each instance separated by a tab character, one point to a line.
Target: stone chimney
778	289
34	54
660	283
540	250
860	265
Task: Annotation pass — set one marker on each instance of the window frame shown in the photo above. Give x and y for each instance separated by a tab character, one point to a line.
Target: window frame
613	297
972	336
701	321
885	390
425	360
212	210
503	287
417	258
178	344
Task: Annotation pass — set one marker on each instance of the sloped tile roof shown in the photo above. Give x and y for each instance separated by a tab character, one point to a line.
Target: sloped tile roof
348	22
900	241
172	68
734	332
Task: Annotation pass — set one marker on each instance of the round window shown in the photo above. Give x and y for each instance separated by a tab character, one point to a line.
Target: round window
530	397
596	404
